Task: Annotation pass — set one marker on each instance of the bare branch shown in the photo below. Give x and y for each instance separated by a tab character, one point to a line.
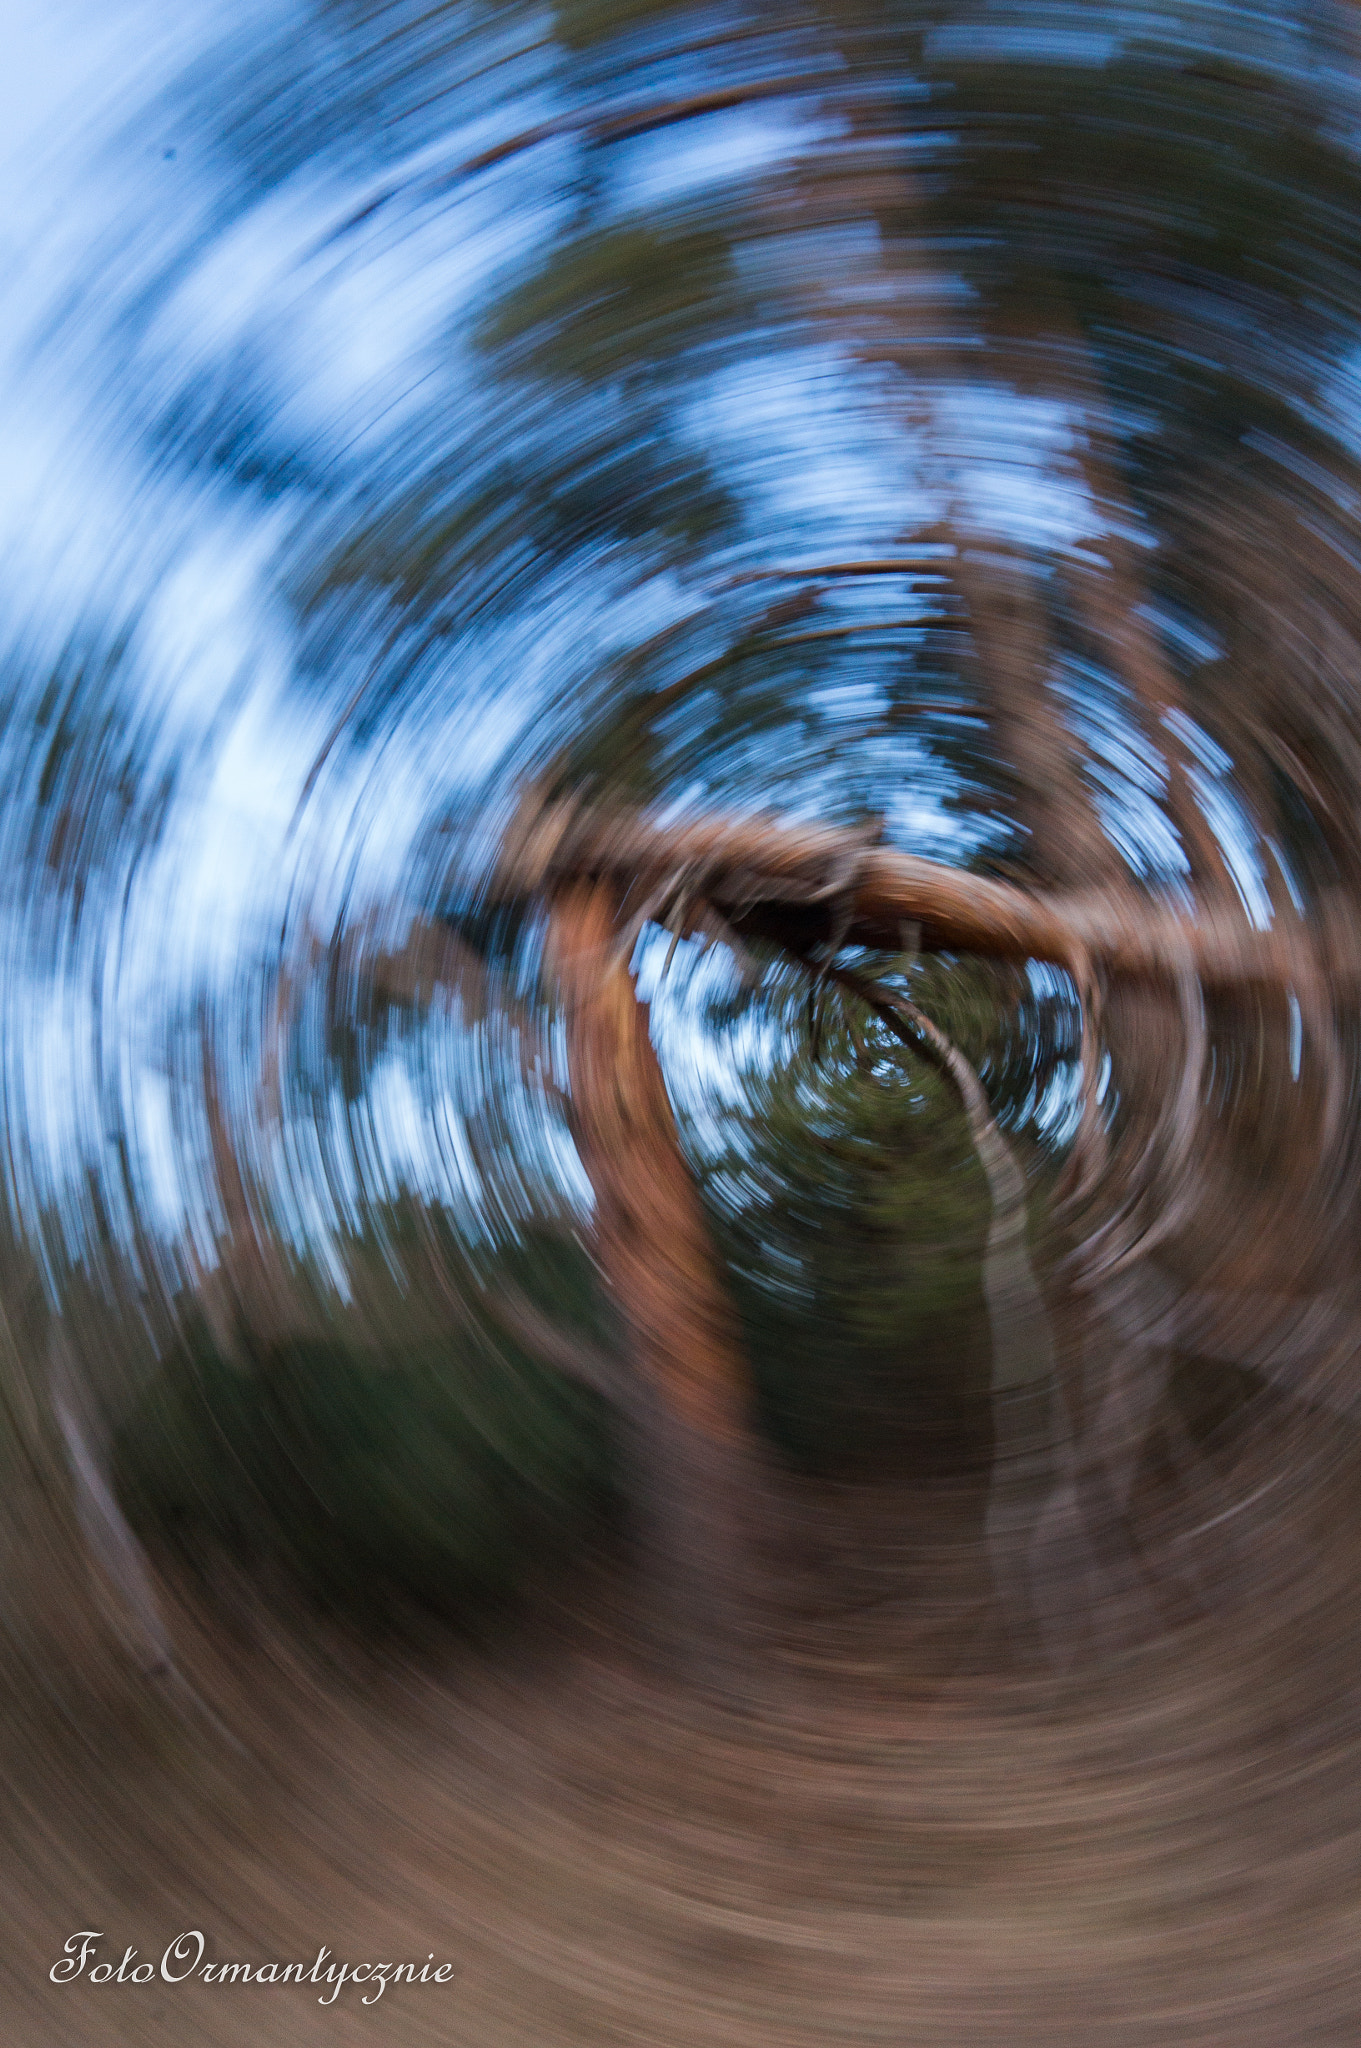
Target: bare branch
929	562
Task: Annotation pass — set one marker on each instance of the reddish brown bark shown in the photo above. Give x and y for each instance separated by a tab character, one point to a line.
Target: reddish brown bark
704	1493
778	880
652	1239
1009	626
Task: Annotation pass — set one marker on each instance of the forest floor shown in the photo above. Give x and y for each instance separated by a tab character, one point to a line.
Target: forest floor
892	1834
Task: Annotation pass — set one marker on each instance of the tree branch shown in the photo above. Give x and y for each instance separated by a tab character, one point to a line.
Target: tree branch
777	881
598	126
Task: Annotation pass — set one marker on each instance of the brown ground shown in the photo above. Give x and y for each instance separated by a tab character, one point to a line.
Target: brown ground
897	1835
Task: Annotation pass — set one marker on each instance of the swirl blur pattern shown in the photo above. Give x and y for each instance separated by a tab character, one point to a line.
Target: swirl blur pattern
679	1299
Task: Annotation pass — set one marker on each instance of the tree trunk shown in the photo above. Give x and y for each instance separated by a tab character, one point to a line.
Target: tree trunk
705	1489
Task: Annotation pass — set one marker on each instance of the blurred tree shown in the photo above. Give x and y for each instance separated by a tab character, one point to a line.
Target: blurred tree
1164	249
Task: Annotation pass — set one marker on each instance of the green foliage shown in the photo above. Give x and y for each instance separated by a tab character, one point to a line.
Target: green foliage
581	23
426	1473
1220	170
616	301
1174	231
852	1213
